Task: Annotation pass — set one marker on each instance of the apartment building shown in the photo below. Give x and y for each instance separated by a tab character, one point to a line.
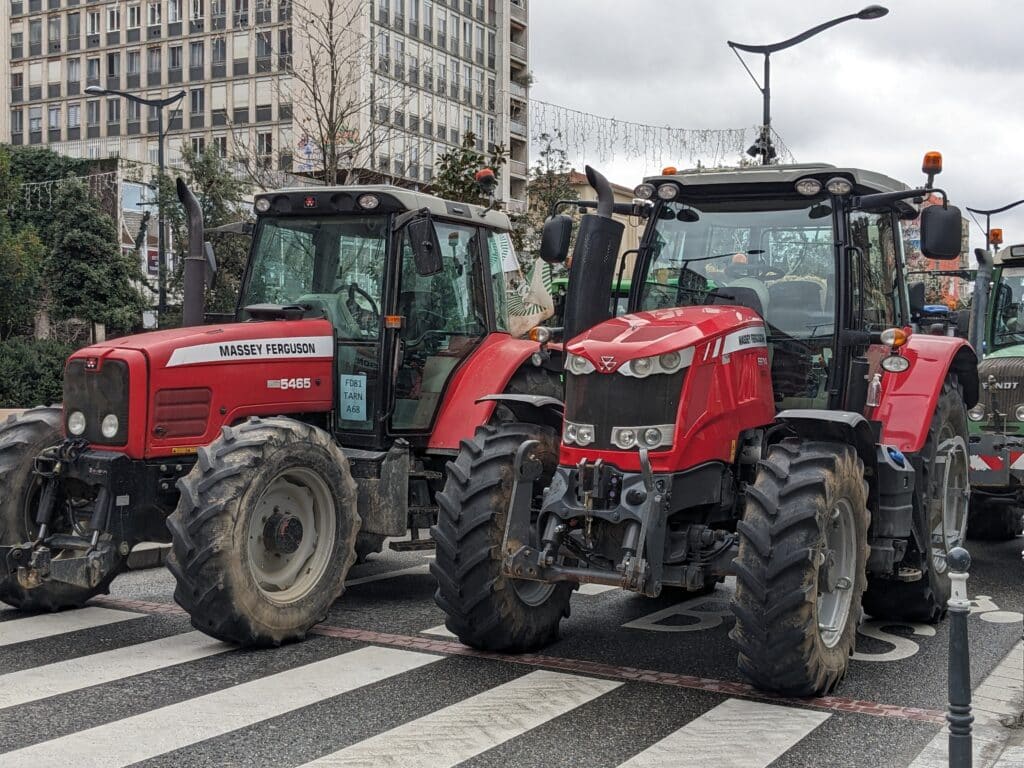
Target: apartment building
436	69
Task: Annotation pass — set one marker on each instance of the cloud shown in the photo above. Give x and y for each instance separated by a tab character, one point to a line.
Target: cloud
874	94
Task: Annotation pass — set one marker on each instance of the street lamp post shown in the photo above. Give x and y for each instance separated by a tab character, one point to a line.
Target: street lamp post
988	219
159	105
763	146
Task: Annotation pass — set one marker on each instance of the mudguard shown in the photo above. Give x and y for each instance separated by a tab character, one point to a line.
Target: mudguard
908	399
486	371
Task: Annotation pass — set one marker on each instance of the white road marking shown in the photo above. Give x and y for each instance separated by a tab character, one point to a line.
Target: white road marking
86	671
439	631
735	734
50	624
413	570
162	730
451	735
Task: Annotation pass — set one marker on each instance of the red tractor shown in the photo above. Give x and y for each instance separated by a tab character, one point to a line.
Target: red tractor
763	411
275	450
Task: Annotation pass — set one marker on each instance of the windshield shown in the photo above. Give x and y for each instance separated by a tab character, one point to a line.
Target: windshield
1009	308
780	262
332	264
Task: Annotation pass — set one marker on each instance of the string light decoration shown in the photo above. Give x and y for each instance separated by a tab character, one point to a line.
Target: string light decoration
587	136
39	195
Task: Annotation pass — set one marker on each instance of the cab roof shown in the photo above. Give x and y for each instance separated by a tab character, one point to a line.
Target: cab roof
393	199
1009	255
866	181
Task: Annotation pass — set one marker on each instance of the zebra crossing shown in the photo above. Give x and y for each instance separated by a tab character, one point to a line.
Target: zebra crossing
443	717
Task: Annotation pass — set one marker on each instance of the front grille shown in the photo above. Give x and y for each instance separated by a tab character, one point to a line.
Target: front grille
181	412
609	400
1006	390
97	393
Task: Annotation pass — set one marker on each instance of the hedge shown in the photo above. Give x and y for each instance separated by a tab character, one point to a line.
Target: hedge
31	372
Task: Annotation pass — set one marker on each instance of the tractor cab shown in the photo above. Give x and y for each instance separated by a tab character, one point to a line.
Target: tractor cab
401	276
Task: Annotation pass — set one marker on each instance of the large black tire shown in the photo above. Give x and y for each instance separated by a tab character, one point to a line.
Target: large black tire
925	600
263	475
485	608
807	508
368	544
21	439
995	519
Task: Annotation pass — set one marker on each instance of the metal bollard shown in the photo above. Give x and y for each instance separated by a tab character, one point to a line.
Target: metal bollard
959	715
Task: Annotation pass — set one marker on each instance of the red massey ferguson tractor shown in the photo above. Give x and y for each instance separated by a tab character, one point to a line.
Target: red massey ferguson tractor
274	450
762	411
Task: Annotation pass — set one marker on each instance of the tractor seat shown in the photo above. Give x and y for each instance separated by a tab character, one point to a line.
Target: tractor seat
737	296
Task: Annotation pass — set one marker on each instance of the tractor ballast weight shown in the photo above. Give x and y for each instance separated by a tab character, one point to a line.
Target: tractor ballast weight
762	411
274	451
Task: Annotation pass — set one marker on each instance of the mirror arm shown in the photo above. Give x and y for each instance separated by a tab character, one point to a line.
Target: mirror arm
404	218
879	199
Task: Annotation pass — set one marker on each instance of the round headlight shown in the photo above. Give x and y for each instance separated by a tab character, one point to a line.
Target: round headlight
668	191
578	364
977	413
368	202
644	191
76	423
1019	413
641	366
627	438
571	433
895	364
808	187
585	434
670	361
652	436
109	425
262	205
839	186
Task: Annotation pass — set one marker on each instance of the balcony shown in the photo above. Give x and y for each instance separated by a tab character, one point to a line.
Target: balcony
515	206
517	168
517	51
517	91
519	14
517	128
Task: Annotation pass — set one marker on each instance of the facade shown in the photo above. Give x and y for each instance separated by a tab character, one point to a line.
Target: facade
437	68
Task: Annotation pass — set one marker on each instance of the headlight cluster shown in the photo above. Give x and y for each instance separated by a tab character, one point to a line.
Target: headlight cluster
108	427
578	434
579	365
670	362
76	423
657	436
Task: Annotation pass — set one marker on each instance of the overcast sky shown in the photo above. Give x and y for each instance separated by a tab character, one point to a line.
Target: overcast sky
940	75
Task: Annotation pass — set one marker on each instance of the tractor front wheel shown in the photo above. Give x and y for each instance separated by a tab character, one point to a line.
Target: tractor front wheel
487	609
264	533
995	519
801	567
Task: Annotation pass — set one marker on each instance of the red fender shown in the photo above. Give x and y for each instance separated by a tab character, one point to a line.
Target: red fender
486	372
908	399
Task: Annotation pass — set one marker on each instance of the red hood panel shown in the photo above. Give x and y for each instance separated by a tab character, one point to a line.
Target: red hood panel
659	331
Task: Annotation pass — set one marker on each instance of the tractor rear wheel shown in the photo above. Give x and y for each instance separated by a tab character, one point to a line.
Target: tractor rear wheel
264	532
941	499
995	519
801	567
22	438
487	609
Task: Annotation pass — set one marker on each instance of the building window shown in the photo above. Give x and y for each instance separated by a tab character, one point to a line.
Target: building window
74	70
198	145
219	51
113	19
284	47
53	30
92	23
113	110
133	62
92	69
134	16
263	11
197	100
220	143
241	13
173	11
197	8
114	65
17	81
155	11
218	8
74	25
196	55
134	111
35	119
53	119
153	58
92	112
74	115
35	32
174	57
264	144
17	121
263	49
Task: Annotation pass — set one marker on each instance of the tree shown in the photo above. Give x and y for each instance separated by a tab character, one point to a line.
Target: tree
549	181
340	92
21	257
88	276
456	171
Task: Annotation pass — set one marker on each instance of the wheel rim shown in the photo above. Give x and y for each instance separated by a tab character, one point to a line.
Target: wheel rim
836	573
950	521
291	534
535	593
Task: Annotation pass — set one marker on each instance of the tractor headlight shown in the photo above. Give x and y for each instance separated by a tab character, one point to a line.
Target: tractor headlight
109	426
76	423
668	191
644	191
655	436
670	362
262	205
570	433
977	413
1019	413
578	434
641	367
808	187
652	437
368	202
579	365
839	186
624	437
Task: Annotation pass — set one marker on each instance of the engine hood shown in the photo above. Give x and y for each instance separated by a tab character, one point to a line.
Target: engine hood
208	344
644	334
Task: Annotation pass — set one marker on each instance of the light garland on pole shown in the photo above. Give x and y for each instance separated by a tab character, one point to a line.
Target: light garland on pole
39	195
586	136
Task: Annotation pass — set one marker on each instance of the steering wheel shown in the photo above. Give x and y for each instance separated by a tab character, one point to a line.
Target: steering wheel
428	317
367	318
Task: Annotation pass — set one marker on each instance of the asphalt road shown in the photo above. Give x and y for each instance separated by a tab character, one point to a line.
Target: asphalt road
633	681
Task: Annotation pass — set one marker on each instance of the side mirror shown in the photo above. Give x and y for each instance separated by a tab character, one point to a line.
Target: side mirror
211	264
426	250
941	232
917	298
556	238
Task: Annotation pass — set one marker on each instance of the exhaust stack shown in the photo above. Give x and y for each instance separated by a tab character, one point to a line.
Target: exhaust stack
193	301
